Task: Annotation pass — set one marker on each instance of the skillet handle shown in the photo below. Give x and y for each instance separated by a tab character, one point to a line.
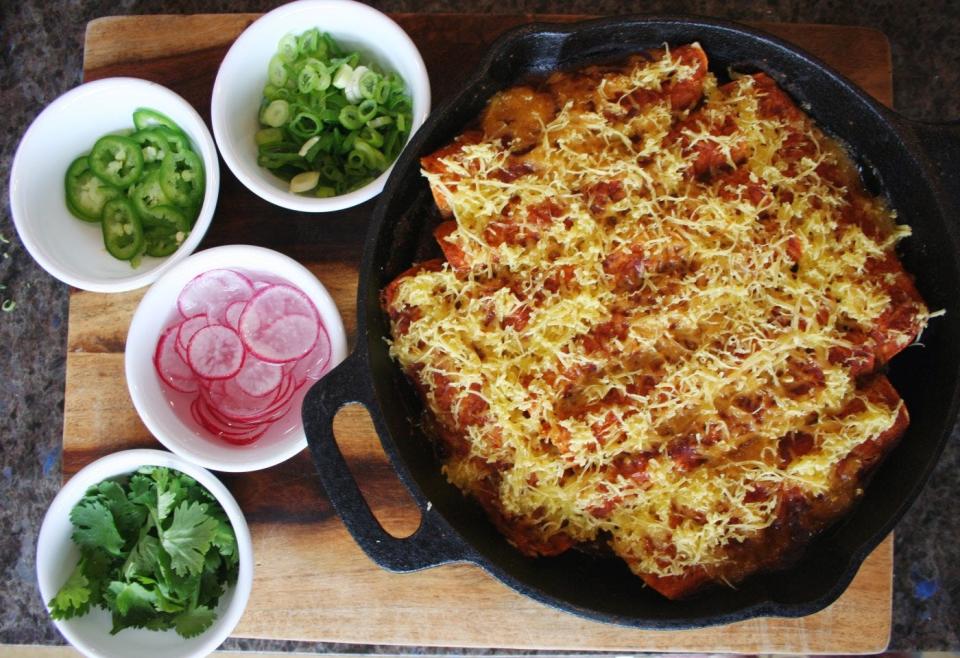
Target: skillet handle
941	143
433	544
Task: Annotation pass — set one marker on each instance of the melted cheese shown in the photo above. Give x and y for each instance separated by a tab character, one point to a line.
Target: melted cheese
729	295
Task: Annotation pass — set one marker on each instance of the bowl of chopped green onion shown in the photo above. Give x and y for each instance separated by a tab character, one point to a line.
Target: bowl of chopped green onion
314	102
143	553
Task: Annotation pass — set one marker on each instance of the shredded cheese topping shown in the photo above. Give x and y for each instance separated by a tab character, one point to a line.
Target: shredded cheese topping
647	331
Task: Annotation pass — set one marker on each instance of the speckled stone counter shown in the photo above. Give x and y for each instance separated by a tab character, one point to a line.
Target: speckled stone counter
41	48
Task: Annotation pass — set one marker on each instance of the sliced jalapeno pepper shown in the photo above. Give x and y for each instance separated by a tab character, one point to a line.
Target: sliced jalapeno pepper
153	144
181	177
144	118
116	160
147	195
86	194
178	141
145	187
122	230
168	233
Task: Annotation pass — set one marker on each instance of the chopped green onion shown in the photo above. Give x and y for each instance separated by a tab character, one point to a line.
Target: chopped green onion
304	182
307	145
277	72
343	76
381	92
328	121
269	136
366	110
380	122
287	49
350	117
368	85
305	125
372	158
8	305
309	41
276	113
371	136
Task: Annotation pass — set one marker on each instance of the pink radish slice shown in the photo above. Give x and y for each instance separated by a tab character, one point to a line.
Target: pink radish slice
215	352
279	324
232	314
244	439
258	378
188	328
233	403
170	367
315	363
209	417
212	292
277	407
231	435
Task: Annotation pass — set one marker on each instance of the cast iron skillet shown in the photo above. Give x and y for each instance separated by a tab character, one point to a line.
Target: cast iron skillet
915	164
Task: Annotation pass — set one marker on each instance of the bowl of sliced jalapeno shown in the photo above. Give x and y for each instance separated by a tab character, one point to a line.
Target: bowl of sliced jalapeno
314	102
113	183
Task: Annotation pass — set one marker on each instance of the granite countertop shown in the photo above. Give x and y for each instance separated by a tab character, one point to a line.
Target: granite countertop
41	58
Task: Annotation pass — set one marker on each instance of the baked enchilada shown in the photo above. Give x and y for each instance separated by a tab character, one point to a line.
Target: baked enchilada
660	321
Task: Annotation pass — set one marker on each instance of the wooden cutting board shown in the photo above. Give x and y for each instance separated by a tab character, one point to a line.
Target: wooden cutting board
311	581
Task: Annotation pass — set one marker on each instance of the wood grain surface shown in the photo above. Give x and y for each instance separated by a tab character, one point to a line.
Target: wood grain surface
311	581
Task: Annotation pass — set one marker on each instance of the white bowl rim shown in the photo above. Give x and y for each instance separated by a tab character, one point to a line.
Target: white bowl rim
211	192
127	461
247	258
289	200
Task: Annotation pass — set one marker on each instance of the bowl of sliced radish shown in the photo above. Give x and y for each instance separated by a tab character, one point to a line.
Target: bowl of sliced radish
222	350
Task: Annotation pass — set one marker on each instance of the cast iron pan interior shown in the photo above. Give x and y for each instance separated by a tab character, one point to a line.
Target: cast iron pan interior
894	161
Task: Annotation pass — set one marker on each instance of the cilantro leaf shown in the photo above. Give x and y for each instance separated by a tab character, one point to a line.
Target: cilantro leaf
94	527
224	538
194	621
133	606
73	599
188	537
143	491
127	515
142	560
166	498
211	580
98	567
180	590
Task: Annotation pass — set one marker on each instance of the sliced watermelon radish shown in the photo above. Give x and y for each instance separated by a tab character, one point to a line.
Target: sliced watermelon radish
171	368
209	422
279	324
215	352
315	363
232	314
212	292
233	403
258	378
188	328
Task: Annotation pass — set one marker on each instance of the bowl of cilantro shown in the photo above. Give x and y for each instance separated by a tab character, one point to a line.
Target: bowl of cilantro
144	554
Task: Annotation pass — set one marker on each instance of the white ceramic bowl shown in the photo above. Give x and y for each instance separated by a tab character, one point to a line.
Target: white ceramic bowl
68	248
57	555
153	400
243	74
